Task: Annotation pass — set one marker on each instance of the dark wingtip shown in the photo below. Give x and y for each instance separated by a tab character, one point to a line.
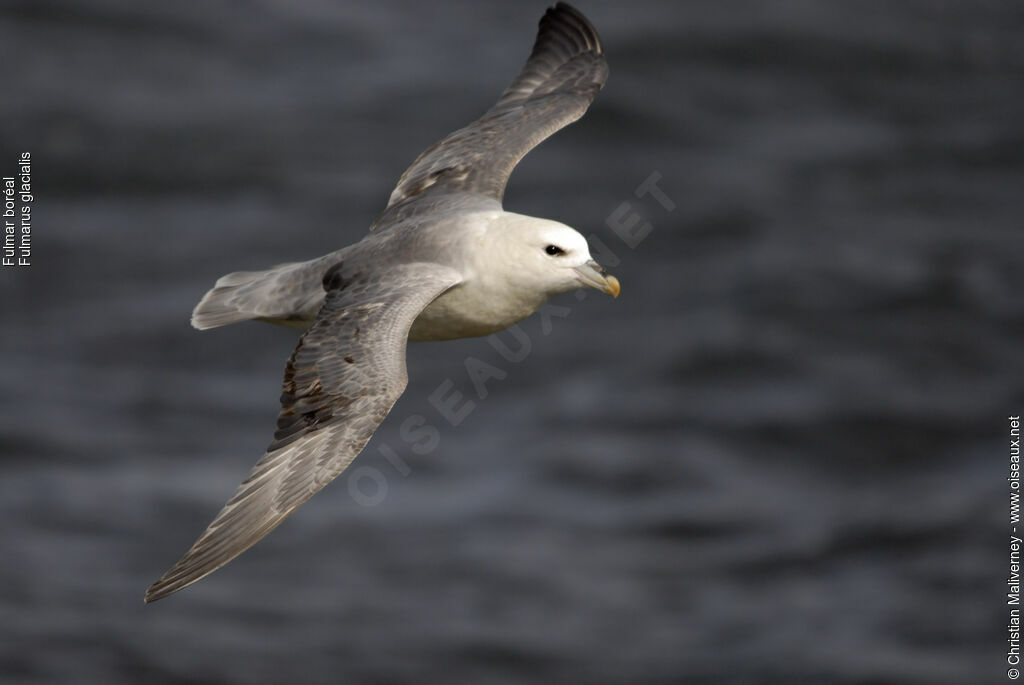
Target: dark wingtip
157	591
169	583
565	18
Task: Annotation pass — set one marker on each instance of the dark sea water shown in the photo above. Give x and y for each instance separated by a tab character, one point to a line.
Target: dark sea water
779	457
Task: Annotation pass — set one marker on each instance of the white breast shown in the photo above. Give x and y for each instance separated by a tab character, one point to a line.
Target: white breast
469	310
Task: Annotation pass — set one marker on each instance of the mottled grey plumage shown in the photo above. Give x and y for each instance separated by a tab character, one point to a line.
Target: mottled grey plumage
562	76
444	261
340	382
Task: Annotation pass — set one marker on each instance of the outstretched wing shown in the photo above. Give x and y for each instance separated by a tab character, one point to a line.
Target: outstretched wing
561	78
341	381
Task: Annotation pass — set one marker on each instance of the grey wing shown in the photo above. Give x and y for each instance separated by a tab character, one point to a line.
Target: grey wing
340	382
561	78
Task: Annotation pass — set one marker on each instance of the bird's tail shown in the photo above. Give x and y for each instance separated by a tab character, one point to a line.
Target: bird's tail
249	295
225	302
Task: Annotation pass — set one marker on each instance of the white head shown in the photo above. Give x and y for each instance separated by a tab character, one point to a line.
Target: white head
549	257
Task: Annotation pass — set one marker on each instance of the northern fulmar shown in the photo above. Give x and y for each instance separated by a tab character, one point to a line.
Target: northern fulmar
442	261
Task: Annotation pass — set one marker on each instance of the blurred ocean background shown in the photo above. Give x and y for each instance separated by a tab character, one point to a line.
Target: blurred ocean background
779	457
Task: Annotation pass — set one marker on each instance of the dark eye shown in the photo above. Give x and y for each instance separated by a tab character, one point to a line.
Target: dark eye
554	250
